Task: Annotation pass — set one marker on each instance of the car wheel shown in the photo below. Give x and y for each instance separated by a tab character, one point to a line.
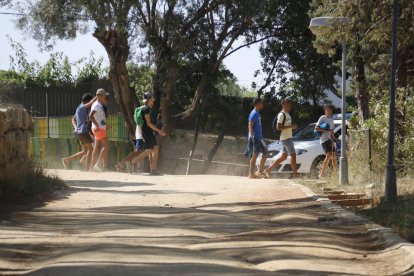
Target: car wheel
316	167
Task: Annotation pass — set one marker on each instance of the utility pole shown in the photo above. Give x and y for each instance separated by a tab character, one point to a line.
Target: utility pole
390	175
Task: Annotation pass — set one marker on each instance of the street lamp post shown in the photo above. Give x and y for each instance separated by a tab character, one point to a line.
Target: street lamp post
390	175
317	26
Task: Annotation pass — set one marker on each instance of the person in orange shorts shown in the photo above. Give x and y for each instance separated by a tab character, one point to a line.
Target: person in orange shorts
98	119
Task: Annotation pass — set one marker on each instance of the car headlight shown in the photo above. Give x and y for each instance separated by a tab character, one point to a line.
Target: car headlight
300	151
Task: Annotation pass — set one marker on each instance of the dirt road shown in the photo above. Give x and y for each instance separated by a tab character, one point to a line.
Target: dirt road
119	224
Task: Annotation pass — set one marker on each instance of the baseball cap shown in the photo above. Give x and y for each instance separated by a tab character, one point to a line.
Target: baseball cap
147	96
101	92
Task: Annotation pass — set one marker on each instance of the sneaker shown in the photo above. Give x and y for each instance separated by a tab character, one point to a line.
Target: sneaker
130	167
260	175
97	169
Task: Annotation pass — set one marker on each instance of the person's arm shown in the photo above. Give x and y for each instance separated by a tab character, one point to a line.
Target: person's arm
89	105
94	122
321	129
151	125
317	128
74	123
280	127
251	132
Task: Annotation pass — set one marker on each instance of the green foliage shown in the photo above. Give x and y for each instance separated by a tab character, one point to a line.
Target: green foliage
404	150
140	78
57	71
369	39
291	64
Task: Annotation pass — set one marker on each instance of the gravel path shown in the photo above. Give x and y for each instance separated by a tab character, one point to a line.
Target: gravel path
119	224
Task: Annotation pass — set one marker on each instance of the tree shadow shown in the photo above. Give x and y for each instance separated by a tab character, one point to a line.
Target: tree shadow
246	238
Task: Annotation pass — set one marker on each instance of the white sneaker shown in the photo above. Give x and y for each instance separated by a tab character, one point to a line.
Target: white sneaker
97	169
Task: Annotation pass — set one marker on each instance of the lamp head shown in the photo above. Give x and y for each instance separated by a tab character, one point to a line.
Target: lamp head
319	25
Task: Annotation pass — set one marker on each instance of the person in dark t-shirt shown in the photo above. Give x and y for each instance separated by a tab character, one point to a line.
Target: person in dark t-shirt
148	134
80	122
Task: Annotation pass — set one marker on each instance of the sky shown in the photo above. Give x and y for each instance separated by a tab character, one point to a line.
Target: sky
242	63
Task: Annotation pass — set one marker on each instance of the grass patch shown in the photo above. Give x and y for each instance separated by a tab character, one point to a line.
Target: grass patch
397	216
34	183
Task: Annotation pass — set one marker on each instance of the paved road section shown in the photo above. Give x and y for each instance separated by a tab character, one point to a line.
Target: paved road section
119	224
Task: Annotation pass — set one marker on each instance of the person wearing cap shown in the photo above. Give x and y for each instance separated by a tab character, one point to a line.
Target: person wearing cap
98	119
256	145
148	131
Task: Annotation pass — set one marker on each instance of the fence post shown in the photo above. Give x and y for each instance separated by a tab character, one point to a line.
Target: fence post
47	114
370	148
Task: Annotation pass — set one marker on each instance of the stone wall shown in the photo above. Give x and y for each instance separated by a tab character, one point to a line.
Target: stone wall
15	127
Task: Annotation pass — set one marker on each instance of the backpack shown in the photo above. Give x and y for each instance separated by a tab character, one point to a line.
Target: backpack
138	118
274	123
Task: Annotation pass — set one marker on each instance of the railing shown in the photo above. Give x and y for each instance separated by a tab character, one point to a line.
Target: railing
61	127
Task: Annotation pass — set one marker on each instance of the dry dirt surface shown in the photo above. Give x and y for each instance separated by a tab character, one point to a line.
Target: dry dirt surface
120	224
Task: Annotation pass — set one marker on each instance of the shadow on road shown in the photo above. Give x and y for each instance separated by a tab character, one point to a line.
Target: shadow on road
286	236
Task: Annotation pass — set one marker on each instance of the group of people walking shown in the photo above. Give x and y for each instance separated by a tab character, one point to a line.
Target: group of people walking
283	123
90	128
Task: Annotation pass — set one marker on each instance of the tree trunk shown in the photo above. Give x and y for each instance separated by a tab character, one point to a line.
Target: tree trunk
213	150
195	140
198	96
117	48
362	92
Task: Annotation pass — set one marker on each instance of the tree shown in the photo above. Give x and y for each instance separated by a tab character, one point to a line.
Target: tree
291	65
369	39
57	71
113	23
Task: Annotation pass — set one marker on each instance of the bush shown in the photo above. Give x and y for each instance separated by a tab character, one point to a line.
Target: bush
35	182
404	120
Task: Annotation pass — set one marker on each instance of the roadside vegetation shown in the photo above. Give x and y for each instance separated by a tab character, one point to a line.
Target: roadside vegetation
34	184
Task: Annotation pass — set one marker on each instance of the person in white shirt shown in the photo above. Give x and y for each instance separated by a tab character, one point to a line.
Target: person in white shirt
139	146
98	119
325	126
285	126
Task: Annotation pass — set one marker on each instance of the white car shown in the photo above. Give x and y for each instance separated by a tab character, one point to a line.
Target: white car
309	151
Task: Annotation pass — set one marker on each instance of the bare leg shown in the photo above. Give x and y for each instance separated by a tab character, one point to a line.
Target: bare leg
325	164
66	161
103	156
276	163
130	157
88	156
262	163
334	161
140	157
95	154
252	165
154	159
293	164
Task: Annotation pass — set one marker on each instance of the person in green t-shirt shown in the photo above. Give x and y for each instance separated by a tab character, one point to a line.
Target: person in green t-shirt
148	134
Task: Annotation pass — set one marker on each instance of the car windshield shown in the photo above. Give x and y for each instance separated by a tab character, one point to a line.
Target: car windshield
305	134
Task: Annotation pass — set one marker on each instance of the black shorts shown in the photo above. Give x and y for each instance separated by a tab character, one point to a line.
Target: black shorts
150	141
328	146
85	138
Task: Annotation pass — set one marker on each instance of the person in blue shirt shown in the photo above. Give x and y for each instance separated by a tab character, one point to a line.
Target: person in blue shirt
82	128
256	145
